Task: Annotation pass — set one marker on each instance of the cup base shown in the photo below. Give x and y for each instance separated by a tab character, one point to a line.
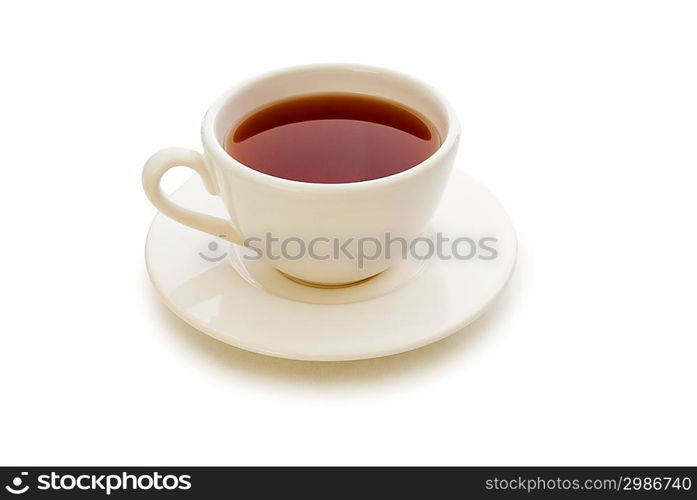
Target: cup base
327	285
261	274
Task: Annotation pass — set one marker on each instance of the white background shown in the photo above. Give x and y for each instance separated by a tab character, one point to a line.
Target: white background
581	117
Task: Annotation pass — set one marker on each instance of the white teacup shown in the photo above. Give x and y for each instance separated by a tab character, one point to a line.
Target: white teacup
312	214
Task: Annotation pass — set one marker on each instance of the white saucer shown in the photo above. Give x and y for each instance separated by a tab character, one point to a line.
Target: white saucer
207	283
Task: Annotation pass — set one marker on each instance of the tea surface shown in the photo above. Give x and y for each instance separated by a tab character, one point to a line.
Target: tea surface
332	138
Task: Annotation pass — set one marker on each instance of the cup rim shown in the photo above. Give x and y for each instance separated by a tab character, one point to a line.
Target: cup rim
213	147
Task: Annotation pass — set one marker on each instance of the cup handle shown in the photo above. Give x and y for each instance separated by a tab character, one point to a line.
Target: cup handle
161	162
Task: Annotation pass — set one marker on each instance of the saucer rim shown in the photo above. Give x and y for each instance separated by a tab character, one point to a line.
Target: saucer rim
446	331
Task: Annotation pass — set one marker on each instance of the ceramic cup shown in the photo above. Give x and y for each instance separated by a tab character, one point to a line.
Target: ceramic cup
320	216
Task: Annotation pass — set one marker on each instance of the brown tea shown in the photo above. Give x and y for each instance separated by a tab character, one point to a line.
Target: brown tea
332	138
